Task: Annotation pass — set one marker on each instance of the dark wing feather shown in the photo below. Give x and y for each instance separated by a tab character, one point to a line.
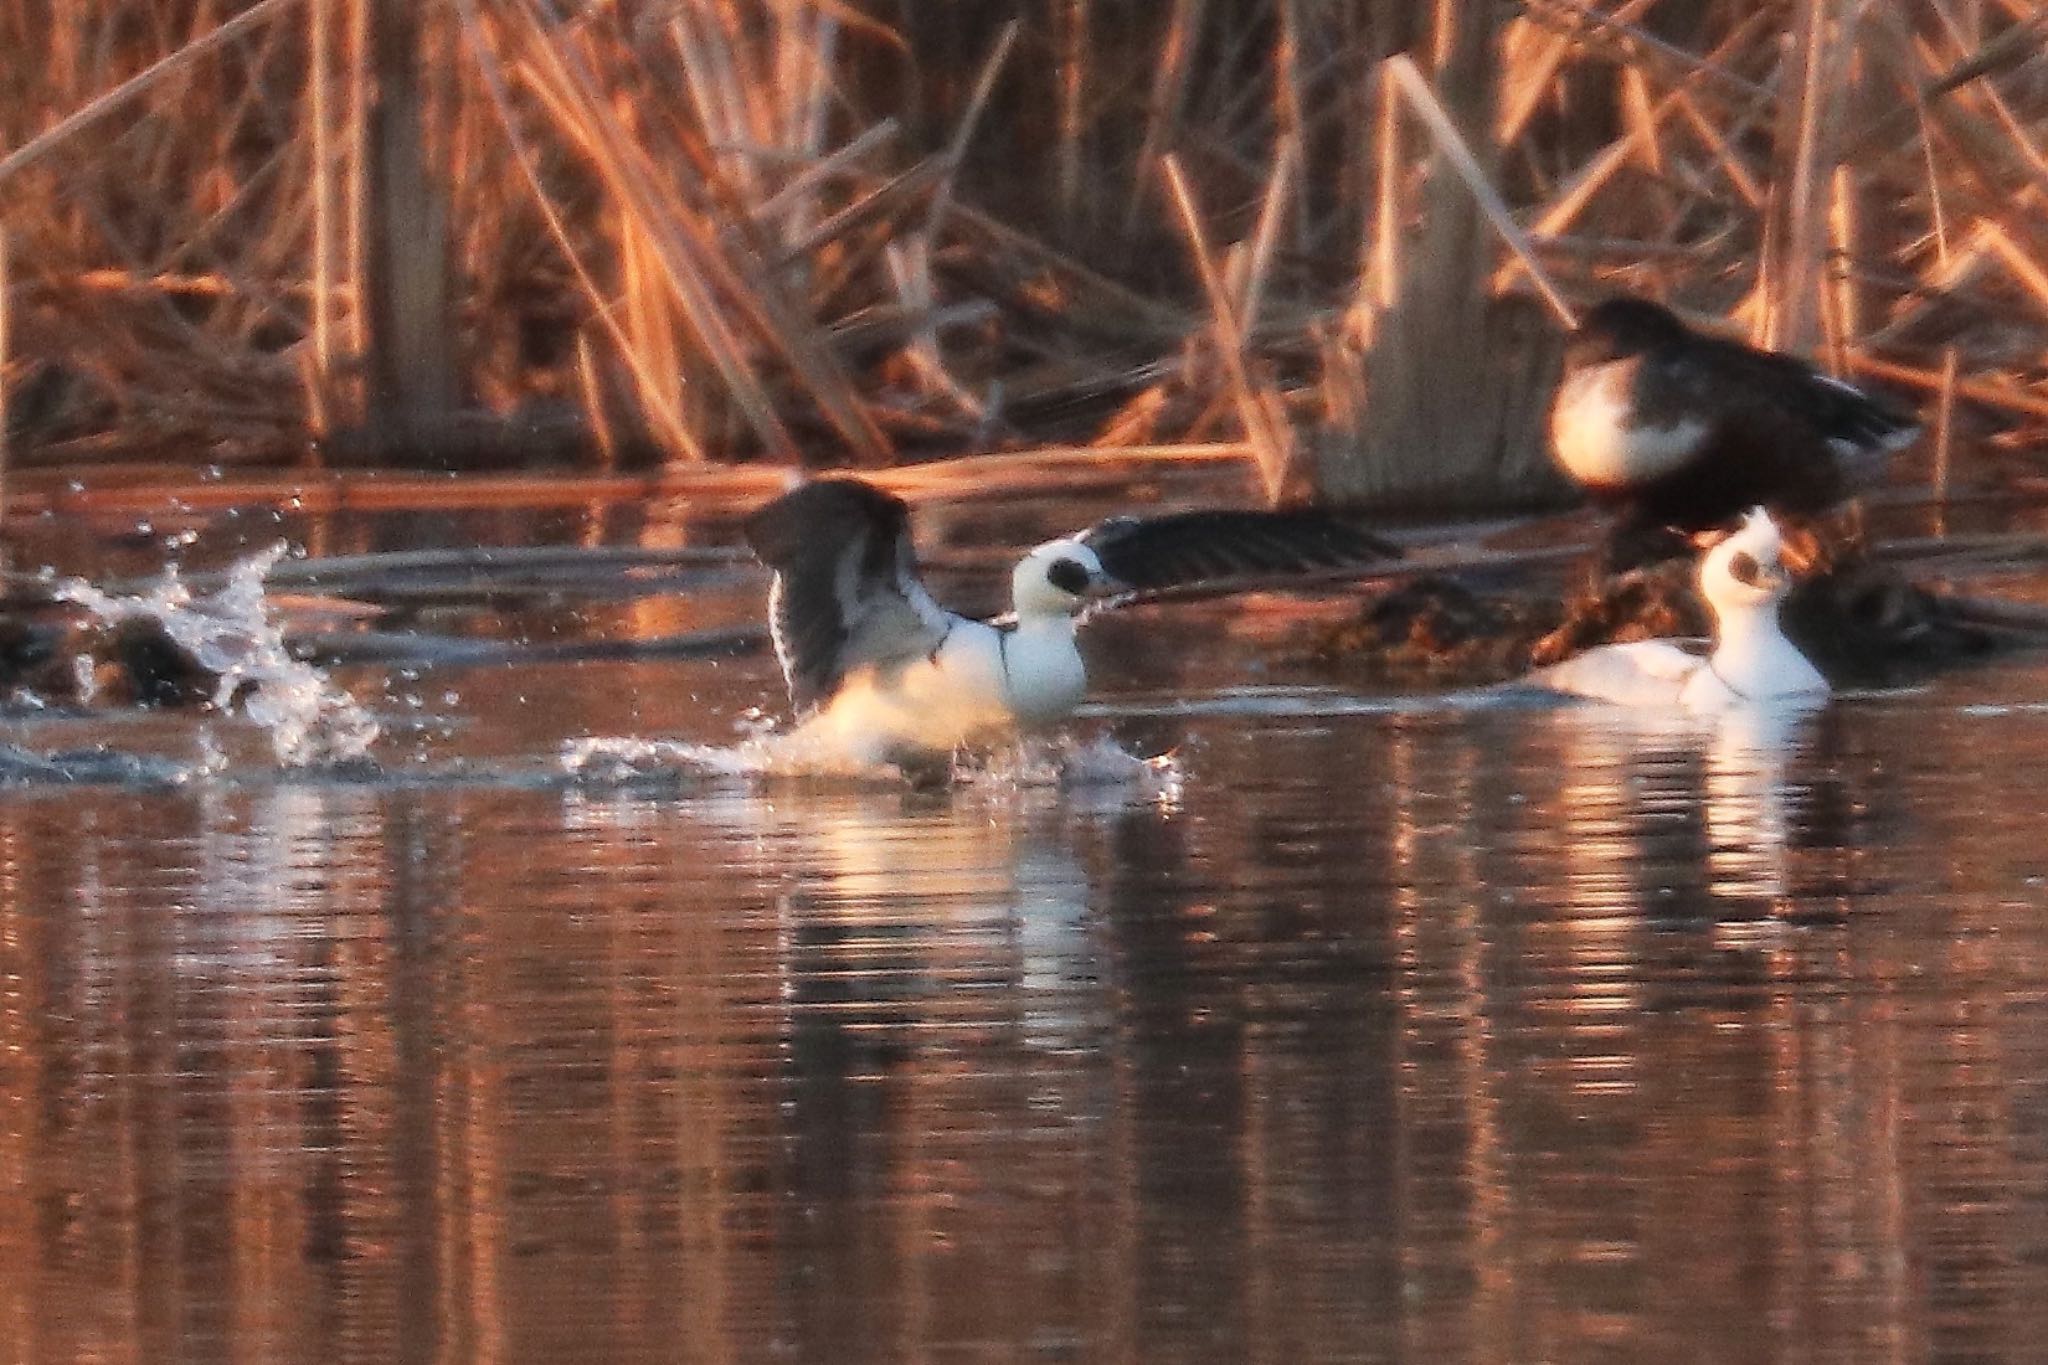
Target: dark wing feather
1149	553
1726	372
1846	413
846	591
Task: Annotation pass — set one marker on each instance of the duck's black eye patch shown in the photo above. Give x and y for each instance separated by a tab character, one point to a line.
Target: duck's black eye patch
1068	575
1745	568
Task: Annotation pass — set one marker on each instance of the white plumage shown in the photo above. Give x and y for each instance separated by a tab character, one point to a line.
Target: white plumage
880	672
1743	579
980	682
1592	433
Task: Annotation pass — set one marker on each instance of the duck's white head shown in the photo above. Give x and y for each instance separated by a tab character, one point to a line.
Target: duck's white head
1058	579
1746	572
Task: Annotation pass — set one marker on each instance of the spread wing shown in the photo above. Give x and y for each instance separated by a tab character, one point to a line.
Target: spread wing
1150	553
846	591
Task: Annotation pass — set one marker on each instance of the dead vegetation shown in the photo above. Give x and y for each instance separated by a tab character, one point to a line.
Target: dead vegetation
495	232
1859	619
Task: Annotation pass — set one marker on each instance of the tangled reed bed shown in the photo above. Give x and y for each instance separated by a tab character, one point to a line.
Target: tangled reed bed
1858	617
872	231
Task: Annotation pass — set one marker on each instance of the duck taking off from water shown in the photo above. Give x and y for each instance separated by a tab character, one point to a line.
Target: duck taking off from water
1744	580
878	671
1680	429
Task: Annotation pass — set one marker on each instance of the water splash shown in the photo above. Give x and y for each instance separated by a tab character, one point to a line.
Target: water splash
230	633
1097	763
1066	764
97	765
625	759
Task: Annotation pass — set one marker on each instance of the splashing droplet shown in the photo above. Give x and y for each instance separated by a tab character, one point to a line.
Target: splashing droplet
230	633
1099	764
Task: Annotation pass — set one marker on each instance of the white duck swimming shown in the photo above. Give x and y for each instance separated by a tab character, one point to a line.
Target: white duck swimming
880	672
1743	579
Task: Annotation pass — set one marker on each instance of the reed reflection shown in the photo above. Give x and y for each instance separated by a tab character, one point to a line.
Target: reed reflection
167	1039
1384	1043
925	1048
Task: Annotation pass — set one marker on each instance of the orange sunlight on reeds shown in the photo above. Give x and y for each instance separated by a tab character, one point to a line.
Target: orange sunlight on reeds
1336	236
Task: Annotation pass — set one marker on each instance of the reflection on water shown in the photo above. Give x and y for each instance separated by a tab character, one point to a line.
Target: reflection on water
1432	1034
1724	782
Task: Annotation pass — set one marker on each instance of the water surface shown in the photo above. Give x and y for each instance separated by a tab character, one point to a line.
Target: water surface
1396	1031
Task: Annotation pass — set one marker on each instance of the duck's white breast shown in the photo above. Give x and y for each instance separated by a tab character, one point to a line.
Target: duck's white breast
937	704
1591	432
1755	662
1044	675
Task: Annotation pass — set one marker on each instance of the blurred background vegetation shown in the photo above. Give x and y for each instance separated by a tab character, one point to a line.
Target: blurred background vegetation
496	233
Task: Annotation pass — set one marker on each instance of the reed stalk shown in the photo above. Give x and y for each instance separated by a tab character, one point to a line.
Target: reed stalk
6	356
39	146
1451	144
1266	431
862	231
1796	232
1944	424
320	96
659	400
1071	57
356	203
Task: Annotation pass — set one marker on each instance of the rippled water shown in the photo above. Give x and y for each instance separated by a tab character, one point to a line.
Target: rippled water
1397	1031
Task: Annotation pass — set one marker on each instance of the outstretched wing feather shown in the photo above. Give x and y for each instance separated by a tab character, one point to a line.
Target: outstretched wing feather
1149	553
846	591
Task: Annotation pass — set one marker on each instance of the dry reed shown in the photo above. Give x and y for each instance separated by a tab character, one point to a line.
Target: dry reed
858	231
5	310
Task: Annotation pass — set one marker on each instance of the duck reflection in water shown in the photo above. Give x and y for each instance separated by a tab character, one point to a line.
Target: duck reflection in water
1748	798
1665	810
889	895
